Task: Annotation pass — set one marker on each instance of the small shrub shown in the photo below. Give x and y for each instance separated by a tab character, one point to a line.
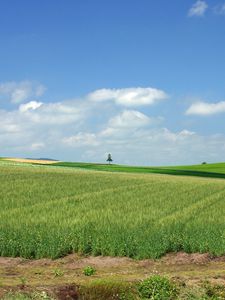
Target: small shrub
58	273
102	289
157	288
89	271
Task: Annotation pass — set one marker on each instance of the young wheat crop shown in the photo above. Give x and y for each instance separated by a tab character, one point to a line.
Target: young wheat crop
50	212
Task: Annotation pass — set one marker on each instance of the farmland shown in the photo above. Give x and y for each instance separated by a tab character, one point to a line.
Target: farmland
52	211
79	216
204	170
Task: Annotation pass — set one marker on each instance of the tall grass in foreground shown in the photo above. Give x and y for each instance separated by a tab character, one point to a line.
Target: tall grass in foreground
50	212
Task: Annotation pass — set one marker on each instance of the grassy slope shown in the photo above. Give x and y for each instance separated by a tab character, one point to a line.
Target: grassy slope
208	170
49	212
215	168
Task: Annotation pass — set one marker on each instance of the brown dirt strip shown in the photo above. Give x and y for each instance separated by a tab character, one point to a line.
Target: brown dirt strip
47	274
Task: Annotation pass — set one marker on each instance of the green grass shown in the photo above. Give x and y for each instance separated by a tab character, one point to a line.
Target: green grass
208	170
51	211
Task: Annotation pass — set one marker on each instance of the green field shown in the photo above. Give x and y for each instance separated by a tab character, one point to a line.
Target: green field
207	170
52	211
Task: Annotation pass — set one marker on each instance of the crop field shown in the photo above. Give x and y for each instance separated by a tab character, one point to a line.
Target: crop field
206	170
49	211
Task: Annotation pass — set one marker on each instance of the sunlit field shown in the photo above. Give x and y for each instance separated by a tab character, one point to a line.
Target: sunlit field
203	170
53	211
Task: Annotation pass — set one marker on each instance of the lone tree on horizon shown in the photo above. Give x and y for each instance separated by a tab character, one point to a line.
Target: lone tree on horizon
109	159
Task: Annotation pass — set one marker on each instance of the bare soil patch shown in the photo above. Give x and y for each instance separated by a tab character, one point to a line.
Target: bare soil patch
182	258
62	277
69	292
32	161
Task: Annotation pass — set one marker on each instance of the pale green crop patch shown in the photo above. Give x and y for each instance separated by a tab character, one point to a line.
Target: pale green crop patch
50	212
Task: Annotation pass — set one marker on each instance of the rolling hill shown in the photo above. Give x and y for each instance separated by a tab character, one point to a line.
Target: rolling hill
206	170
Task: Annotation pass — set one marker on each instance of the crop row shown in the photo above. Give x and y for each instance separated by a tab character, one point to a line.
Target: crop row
50	212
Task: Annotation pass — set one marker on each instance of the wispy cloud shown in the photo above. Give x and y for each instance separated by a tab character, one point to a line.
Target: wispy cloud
81	139
129	96
18	92
220	9
204	108
37	146
198	9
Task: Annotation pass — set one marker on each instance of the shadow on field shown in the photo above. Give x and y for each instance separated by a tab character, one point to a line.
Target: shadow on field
130	169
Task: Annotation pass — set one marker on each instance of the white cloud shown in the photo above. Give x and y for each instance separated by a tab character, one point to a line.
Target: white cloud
57	114
37	146
81	139
186	132
40	90
18	92
37	126
129	96
32	105
198	9
148	146
130	136
125	121
87	128
129	119
204	108
9	128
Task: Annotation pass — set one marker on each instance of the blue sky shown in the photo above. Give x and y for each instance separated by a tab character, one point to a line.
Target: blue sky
79	79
